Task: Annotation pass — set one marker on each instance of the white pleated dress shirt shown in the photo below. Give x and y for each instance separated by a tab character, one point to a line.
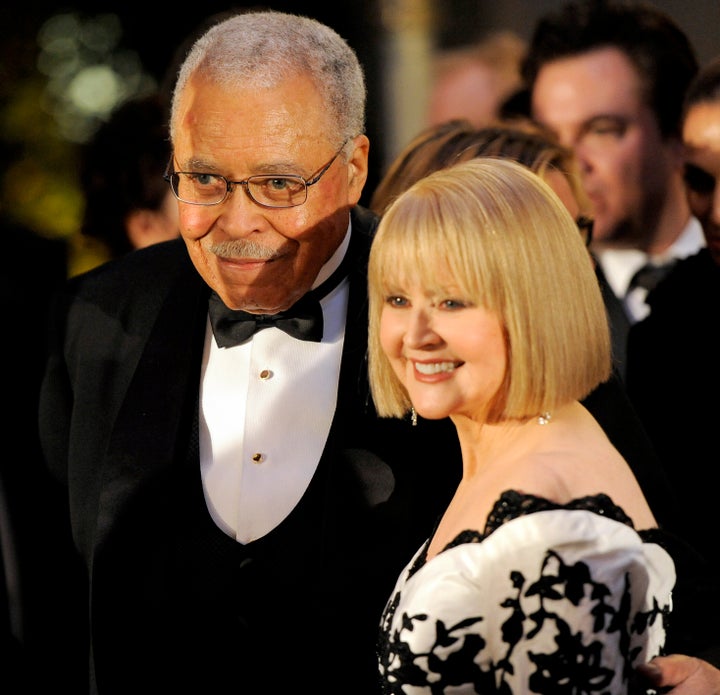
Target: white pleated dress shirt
266	407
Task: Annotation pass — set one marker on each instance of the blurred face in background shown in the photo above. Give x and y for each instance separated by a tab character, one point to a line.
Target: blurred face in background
594	104
473	91
701	134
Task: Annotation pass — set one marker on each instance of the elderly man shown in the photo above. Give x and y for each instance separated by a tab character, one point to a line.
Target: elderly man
242	511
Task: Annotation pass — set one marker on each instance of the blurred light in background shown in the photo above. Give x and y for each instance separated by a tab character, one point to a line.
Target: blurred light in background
81	74
89	74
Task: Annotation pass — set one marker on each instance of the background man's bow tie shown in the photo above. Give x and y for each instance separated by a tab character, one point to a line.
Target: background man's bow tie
303	320
650	275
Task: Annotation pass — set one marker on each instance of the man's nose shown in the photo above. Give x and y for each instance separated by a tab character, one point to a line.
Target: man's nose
240	214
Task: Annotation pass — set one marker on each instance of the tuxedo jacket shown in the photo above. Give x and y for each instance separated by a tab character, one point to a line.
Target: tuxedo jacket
173	603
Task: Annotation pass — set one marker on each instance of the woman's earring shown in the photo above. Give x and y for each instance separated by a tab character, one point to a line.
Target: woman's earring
544	418
413	416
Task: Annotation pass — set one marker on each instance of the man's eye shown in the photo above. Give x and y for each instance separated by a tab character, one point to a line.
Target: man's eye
615	127
698	180
203	179
280	184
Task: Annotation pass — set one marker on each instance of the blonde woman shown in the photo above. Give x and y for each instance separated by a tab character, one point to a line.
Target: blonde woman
545	571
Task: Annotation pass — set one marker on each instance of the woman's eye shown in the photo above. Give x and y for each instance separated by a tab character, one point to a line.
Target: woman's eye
396	301
452	304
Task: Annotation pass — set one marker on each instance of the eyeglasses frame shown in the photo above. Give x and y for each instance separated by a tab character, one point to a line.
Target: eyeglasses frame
231	185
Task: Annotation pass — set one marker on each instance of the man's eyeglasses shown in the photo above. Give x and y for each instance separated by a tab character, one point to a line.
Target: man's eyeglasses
268	190
585	225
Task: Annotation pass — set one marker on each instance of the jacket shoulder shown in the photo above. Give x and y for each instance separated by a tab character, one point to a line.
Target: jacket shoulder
139	271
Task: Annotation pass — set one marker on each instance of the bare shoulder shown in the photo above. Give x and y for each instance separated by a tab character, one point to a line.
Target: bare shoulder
582	464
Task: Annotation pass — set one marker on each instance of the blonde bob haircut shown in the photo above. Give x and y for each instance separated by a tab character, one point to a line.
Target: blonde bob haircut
501	237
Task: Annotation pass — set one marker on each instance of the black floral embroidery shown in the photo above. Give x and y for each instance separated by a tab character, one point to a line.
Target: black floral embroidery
574	664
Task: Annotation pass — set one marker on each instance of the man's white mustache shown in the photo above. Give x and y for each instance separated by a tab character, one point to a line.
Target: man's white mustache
242	248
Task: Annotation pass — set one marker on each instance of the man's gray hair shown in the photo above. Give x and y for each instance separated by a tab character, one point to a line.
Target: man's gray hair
261	49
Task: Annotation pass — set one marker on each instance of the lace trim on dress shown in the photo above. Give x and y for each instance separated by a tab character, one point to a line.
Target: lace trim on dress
512	505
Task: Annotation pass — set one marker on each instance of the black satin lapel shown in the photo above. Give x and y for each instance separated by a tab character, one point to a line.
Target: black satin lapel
159	400
353	372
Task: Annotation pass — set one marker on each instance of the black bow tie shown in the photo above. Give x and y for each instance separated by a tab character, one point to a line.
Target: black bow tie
303	320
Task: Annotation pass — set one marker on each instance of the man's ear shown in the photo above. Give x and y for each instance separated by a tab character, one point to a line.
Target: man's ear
358	168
